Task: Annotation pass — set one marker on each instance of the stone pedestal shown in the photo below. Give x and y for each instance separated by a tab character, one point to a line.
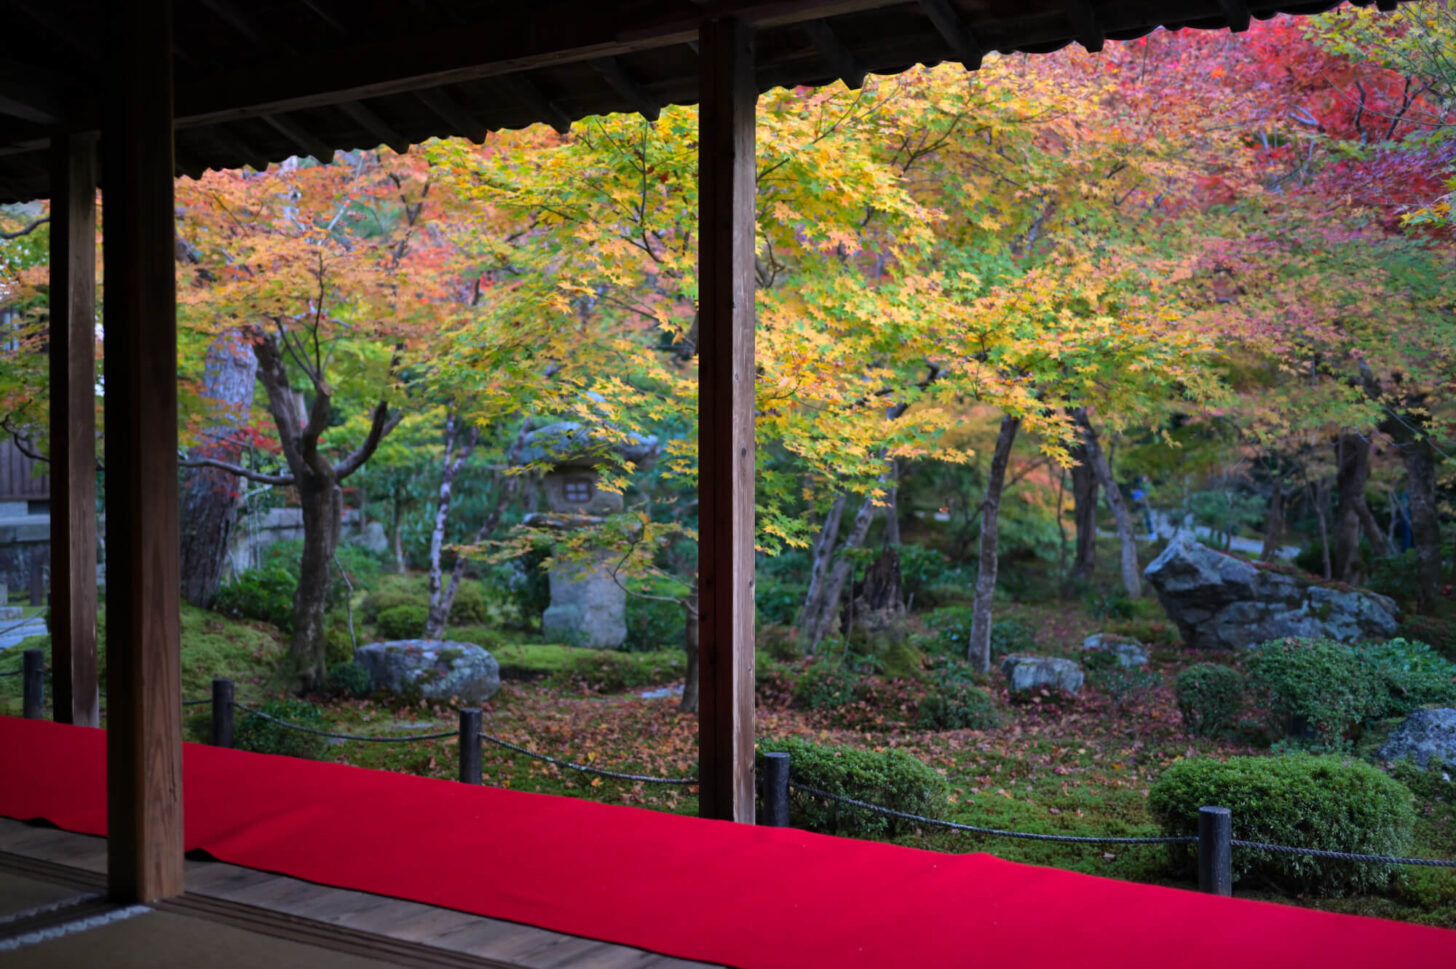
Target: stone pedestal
588	608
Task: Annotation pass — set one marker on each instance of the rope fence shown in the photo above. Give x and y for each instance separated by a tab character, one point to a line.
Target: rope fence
1214	841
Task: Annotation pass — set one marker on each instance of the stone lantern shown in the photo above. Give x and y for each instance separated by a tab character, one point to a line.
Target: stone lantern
588	607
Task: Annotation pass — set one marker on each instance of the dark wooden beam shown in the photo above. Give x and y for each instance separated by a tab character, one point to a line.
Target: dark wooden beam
518	87
954	32
619	81
841	59
305	141
519	38
144	676
725	420
32	93
73	429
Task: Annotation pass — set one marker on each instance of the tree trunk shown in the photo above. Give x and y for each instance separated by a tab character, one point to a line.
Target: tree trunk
323	507
442	597
979	650
1371	528
1352	470
1084	512
210	497
1132	579
820	616
1273	523
396	533
821	557
689	702
892	505
1324	527
1420	469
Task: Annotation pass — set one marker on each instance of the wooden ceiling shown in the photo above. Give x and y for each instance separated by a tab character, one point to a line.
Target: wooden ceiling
258	81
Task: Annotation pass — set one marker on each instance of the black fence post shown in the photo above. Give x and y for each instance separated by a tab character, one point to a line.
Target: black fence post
33	685
470	745
776	790
1215	854
222	712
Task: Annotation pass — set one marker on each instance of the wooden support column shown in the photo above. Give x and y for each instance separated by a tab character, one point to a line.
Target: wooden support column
73	428
725	419
144	699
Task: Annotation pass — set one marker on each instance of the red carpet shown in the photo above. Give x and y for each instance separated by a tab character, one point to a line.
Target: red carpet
708	890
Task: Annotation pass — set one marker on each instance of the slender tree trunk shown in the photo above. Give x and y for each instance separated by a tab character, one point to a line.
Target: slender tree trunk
1132	579
892	505
210	497
821	557
979	650
396	533
442	598
1324	527
1273	523
689	702
1352	470
820	616
1084	512
322	504
1420	469
1371	528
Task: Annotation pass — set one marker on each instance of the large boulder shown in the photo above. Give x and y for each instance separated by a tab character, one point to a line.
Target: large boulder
588	605
431	668
1223	602
1426	735
1040	672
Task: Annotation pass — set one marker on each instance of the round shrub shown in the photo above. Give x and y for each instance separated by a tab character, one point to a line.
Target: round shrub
254	733
654	625
469	608
955	702
264	594
890	778
1299	800
823	686
338	643
349	679
389	597
403	622
1318	686
1209	697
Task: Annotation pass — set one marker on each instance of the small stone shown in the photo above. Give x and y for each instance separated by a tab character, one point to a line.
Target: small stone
1129	652
1425	736
1040	672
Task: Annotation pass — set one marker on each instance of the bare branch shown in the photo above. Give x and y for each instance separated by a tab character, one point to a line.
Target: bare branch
381	425
25	231
255	476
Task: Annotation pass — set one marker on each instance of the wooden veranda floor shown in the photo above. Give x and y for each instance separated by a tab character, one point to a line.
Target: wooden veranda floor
52	882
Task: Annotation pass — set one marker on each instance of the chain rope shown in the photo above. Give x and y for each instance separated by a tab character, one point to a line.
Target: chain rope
1342	855
253	711
585	768
976	829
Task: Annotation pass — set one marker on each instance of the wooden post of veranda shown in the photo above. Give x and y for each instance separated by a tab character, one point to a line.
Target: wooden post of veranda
73	428
144	692
725	419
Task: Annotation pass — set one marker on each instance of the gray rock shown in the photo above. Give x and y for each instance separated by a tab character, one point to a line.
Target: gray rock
10	613
1041	672
588	608
1129	652
1426	735
374	538
431	668
1221	602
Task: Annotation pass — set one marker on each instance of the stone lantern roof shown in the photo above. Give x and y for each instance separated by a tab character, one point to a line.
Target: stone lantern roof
570	444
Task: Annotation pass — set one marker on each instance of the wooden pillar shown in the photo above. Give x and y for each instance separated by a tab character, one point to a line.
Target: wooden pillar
725	419
73	428
144	694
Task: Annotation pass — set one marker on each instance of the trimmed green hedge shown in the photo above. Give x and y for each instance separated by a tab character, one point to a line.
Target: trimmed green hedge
1209	697
1300	800
890	778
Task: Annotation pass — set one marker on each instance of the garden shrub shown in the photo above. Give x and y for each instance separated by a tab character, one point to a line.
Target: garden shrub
778	643
777	600
264	594
1301	800
338	643
824	685
890	778
654	625
1209	697
403	622
955	702
391	596
1318	686
469	607
348	679
1413	674
950	628
262	736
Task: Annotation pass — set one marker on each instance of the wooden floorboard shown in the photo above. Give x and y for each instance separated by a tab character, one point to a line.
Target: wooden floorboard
393	931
